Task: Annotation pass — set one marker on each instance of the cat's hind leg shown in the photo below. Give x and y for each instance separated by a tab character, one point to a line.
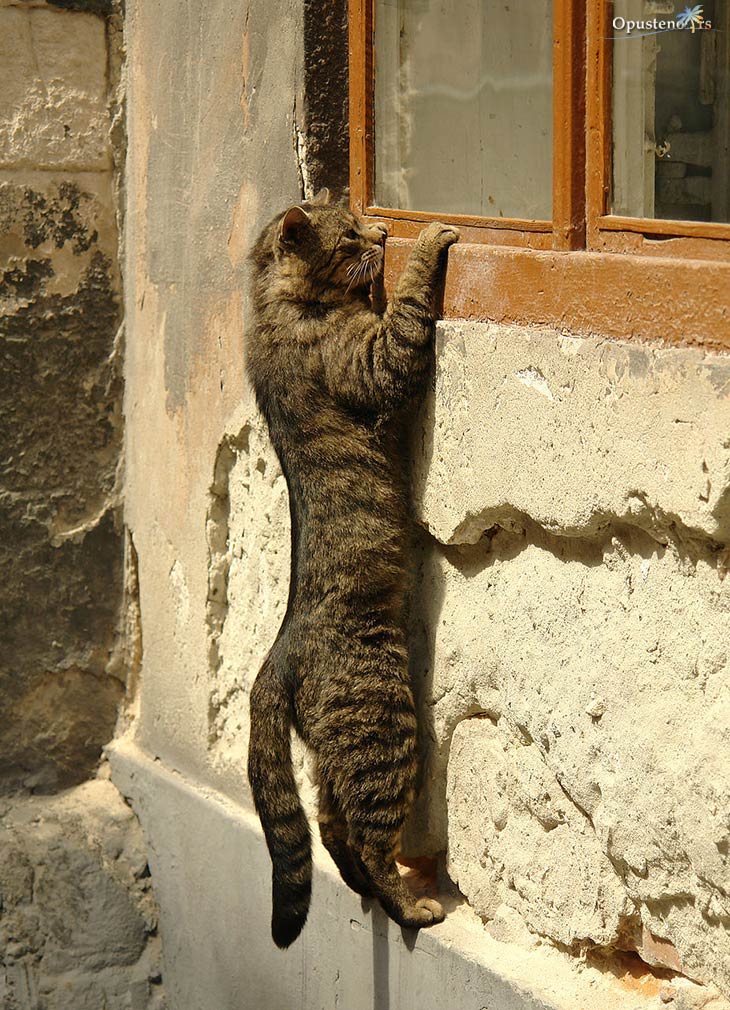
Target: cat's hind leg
371	871
333	831
375	786
393	893
365	739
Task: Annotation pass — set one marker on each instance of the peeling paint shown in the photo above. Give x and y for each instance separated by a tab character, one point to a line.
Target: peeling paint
534	379
247	528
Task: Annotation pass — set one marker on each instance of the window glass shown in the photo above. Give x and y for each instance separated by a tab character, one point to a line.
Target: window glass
463	106
671	110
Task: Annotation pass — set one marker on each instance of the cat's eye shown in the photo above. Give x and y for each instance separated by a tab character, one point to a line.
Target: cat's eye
352	233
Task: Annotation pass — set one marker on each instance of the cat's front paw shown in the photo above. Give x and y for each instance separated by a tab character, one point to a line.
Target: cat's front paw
439	235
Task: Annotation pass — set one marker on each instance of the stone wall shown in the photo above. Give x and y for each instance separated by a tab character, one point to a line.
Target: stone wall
60	393
78	922
577	617
78	926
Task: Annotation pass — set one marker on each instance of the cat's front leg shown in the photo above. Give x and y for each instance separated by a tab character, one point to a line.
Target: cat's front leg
378	296
382	362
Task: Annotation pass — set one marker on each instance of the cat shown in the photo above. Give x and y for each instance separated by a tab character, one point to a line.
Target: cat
332	378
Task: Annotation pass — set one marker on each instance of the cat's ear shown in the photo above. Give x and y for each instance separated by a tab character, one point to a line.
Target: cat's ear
295	219
322	198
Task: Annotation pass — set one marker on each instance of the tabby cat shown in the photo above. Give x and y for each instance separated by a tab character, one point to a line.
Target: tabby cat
332	377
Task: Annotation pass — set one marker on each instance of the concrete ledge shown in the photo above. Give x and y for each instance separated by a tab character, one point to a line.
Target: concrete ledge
211	874
574	432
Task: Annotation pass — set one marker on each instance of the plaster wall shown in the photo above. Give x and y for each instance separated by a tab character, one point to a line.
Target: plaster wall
211	151
570	616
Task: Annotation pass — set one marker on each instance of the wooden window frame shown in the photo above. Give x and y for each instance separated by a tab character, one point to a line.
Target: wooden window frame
586	271
608	232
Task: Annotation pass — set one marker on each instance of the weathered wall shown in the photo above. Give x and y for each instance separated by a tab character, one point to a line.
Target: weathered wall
212	145
582	614
570	615
78	928
60	393
78	923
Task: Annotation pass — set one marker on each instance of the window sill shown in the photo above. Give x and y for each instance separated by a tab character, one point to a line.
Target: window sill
612	294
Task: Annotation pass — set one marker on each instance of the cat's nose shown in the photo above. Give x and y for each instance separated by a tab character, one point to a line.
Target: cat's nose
382	228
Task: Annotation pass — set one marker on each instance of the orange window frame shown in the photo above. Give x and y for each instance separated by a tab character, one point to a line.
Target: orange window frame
613	233
586	270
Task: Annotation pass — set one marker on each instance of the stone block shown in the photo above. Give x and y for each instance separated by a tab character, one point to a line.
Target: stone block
516	838
609	657
573	432
60	441
53	90
78	921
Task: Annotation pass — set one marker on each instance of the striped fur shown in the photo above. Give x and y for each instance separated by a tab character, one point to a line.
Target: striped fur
333	378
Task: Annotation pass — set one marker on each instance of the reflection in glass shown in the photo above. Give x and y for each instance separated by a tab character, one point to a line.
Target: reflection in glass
671	110
463	106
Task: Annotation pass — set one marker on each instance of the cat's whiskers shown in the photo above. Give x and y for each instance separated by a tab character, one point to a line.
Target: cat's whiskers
365	266
356	276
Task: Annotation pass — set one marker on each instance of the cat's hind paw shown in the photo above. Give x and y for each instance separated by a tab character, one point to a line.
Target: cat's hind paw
425	912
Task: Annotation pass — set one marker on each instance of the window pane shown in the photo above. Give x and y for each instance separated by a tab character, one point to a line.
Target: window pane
671	110
463	106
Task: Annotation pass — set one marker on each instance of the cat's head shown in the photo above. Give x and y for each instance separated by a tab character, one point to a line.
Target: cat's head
321	249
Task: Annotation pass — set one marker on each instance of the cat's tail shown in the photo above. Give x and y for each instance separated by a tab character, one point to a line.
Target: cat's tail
277	803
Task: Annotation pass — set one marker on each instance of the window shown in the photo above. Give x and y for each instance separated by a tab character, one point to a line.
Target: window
583	148
471	135
658	106
671	115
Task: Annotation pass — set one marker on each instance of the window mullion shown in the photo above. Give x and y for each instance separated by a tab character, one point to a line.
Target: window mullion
361	58
569	103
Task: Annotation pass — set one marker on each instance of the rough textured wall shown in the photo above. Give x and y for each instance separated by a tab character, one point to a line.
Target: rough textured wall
60	393
78	928
78	923
571	609
577	614
571	641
